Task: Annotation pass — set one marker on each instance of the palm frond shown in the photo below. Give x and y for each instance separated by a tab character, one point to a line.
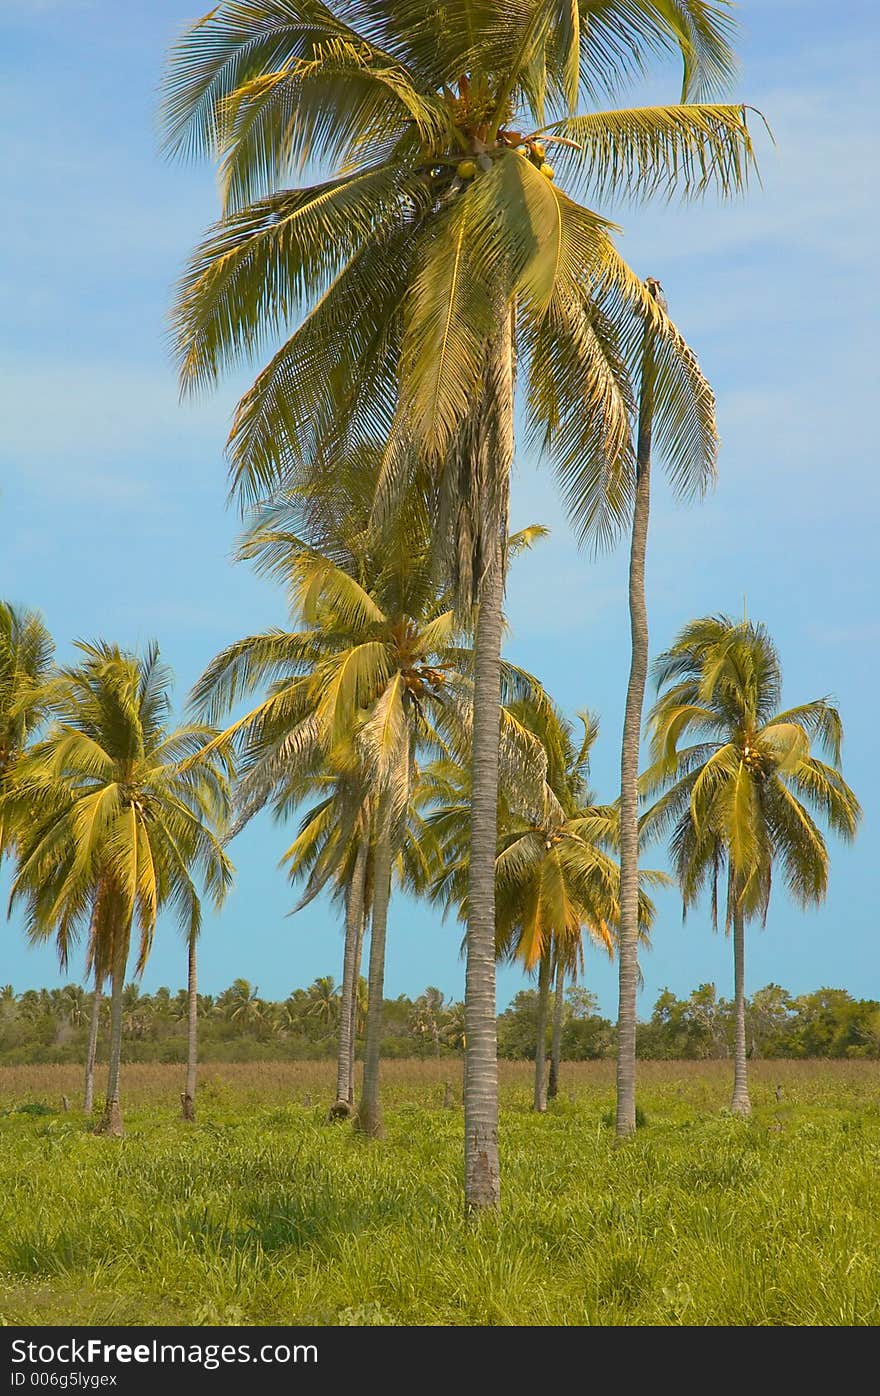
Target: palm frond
642	152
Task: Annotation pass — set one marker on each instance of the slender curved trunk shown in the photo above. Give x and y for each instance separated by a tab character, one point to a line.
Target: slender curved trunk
112	1119
369	1116
540	1100
629	762
352	1051
740	1104
354	915
482	1180
92	1050
192	1035
556	1039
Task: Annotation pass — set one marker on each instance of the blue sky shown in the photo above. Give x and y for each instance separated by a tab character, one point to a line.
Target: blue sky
112	495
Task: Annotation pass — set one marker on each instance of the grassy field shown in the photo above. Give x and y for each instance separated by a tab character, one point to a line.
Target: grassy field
262	1213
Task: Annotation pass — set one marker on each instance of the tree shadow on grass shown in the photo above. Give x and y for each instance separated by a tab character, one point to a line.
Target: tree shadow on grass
289	1220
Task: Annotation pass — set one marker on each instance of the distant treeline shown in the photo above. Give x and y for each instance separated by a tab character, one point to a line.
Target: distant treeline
52	1025
825	1023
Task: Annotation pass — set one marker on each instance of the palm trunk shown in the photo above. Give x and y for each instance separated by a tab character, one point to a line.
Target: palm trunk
352	1050
629	762
92	1050
740	1104
192	1035
482	1181
112	1120
540	1101
369	1118
354	911
556	1040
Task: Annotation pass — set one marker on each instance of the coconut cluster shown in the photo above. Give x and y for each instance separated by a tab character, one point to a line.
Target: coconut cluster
530	149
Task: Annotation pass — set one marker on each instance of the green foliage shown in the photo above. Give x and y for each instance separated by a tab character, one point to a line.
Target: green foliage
25	658
609	1118
51	1025
697	1027
364	685
556	885
402	267
113	811
826	1023
585	1035
737	779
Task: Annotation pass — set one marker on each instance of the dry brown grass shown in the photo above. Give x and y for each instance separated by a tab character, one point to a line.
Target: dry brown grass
704	1084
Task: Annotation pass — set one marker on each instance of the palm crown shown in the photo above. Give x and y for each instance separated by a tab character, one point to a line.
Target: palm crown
361	685
404	262
115	812
556	877
25	657
740	778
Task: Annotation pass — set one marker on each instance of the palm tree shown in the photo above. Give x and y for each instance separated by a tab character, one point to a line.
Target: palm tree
324	1001
693	481
29	1005
427	1015
188	1099
71	1002
740	783
92	1046
241	1003
335	515
333	846
629	752
26	650
556	879
353	696
556	1034
112	812
440	255
331	843
132	1011
358	897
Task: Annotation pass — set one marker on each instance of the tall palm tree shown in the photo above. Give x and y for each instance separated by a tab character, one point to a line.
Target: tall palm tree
554	884
354	694
438	256
333	513
335	834
635	697
113	811
740	783
332	846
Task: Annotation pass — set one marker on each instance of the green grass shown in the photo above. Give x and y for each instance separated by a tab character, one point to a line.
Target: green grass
262	1213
